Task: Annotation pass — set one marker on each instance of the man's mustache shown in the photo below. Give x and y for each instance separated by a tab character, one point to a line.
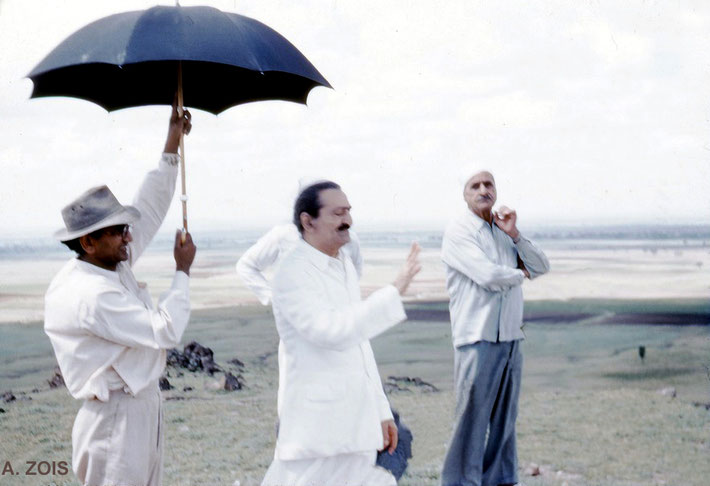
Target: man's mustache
343	226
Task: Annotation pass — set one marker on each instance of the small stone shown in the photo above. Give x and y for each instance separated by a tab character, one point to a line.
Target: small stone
230	382
532	470
213	385
401	383
8	397
164	384
57	380
187	388
668	391
236	362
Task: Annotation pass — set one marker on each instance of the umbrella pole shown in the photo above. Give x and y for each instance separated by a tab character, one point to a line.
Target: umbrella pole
183	197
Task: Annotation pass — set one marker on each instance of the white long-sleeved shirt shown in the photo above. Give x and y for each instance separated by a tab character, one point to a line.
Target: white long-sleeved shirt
483	281
324	327
103	327
271	248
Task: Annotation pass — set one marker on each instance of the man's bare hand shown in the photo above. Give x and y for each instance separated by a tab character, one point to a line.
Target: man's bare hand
184	252
179	124
505	219
409	270
390	436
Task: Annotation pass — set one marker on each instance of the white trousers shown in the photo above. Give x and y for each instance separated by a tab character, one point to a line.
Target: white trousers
119	442
357	469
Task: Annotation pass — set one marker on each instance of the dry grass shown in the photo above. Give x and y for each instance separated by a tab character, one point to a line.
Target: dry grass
590	413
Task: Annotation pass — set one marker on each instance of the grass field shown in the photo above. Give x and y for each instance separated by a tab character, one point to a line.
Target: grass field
590	410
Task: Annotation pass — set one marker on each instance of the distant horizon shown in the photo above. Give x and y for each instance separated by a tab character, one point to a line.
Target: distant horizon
701	230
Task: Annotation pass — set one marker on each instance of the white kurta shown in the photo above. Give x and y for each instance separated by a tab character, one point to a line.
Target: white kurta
102	324
331	402
357	469
110	345
483	281
267	253
271	248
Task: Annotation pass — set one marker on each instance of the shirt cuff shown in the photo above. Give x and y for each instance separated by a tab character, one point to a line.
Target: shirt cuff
385	411
386	310
395	306
171	159
181	280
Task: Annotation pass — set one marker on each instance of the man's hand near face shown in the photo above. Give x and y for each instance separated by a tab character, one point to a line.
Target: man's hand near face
505	219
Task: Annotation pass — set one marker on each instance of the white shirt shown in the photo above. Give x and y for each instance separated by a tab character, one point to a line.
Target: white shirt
331	399
267	252
104	329
483	281
271	248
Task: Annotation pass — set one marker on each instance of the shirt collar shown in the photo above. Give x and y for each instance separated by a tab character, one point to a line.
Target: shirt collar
317	257
91	268
475	220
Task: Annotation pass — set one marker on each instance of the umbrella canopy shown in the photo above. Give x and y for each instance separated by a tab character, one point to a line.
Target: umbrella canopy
131	59
211	59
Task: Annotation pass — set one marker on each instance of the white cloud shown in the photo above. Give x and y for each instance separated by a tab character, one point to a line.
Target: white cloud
581	106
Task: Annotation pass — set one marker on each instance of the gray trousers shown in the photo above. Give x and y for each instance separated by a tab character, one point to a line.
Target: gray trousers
482	451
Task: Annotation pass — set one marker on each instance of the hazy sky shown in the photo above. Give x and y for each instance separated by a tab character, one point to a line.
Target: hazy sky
587	112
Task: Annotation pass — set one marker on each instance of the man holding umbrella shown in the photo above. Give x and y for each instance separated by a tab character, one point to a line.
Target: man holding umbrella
109	340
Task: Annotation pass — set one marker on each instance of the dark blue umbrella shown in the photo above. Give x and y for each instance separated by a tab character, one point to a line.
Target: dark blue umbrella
132	58
214	60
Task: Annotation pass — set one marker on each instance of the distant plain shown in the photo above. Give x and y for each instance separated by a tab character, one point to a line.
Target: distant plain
592	412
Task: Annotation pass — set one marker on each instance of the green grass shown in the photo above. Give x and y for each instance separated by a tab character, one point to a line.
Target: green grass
638	306
590	411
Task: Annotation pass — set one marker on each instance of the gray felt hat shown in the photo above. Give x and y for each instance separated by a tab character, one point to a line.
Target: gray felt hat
95	209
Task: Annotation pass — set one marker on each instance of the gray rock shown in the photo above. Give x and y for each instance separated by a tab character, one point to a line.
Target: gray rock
668	391
403	383
164	384
57	380
236	362
532	470
230	382
194	357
